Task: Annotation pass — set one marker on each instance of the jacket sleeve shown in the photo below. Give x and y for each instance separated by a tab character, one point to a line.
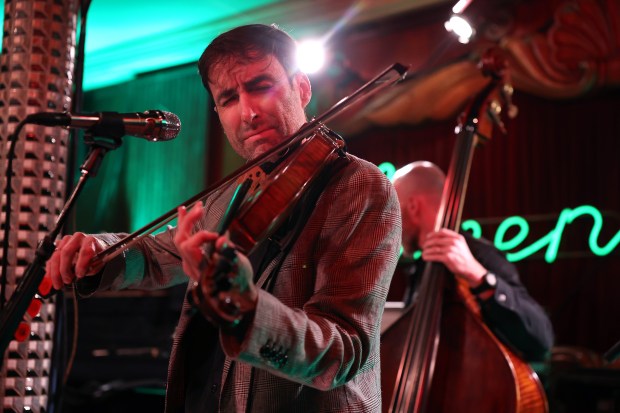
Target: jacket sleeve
349	250
152	262
511	312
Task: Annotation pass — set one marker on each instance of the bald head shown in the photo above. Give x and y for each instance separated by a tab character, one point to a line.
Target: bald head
419	186
419	178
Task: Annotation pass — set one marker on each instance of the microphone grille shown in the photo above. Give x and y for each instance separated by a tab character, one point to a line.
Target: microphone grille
171	126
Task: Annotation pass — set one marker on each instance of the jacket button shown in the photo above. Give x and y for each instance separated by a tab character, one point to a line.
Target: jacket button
281	360
265	352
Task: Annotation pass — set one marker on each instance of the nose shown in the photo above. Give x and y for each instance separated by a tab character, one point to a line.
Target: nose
248	109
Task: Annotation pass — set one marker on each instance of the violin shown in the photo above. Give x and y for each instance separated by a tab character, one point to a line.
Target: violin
253	217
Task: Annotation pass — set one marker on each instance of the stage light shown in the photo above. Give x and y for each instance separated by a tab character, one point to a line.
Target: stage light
460	6
310	56
461	27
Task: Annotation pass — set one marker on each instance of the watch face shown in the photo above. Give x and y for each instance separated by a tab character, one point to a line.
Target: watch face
491	279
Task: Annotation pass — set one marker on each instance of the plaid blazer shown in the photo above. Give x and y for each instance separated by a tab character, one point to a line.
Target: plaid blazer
313	345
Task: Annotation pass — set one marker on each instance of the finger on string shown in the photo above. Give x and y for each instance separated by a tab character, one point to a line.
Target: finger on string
444	236
197	210
447	232
199	239
224	242
441	242
430	244
189	218
185	223
182	222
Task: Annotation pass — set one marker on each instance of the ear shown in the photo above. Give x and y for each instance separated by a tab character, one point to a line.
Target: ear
413	205
415	208
305	89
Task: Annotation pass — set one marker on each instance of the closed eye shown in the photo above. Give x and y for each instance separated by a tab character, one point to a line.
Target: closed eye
260	83
261	88
229	100
226	97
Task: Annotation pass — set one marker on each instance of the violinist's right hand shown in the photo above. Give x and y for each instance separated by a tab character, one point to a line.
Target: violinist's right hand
72	259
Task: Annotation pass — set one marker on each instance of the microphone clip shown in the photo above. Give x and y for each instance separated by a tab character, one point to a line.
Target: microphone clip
109	125
107	141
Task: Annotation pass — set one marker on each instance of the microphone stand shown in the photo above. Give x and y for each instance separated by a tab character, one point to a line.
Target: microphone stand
17	305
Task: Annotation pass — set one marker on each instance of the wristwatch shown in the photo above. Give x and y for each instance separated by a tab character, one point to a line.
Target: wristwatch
489	282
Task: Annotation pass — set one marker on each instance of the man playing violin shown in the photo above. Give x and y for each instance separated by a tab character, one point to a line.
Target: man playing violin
298	327
505	304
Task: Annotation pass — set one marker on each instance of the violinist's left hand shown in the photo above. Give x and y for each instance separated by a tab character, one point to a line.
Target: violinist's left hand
234	296
451	249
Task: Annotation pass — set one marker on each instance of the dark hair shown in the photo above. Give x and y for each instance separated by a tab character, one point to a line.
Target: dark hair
249	43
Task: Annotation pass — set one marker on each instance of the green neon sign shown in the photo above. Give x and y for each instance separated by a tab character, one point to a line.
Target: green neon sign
388	169
551	240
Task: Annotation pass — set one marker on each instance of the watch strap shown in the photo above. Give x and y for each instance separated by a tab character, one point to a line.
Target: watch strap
489	282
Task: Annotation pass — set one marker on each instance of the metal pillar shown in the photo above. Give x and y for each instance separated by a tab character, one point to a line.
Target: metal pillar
36	74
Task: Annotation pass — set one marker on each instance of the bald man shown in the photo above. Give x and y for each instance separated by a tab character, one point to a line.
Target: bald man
505	304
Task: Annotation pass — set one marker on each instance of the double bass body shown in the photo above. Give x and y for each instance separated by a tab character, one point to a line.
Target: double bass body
473	371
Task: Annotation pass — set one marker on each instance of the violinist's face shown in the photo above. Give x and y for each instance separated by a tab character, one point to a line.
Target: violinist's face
258	104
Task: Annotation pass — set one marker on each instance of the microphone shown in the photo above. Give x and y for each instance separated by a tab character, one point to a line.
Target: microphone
152	125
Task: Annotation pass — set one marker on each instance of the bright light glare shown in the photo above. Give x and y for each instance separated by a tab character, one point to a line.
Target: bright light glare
460	6
310	56
460	27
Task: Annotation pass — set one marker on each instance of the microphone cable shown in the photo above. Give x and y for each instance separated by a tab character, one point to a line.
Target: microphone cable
8	191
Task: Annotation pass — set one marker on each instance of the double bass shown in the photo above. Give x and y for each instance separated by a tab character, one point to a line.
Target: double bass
439	356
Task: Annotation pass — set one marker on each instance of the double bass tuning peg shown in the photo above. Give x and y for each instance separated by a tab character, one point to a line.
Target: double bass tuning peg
507	91
494	111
